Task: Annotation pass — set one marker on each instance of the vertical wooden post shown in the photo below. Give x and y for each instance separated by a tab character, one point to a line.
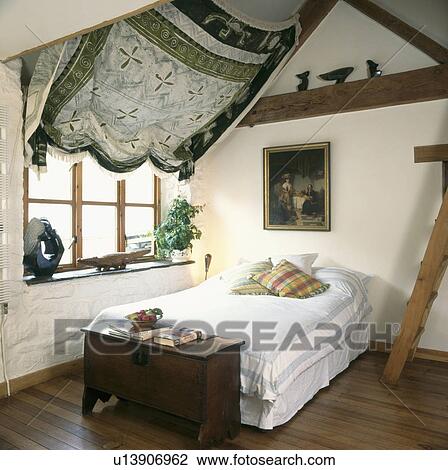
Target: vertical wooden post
432	270
444	176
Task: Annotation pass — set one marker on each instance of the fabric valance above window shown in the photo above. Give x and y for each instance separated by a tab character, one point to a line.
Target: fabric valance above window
162	86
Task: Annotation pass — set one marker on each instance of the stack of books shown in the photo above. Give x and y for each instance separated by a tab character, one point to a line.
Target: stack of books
177	337
164	335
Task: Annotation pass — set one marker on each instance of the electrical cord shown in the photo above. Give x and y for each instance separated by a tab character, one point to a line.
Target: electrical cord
2	340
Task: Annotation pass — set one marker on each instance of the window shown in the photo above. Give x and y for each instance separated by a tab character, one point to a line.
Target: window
93	214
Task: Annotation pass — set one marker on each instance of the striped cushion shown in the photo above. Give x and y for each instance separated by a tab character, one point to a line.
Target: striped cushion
239	280
285	280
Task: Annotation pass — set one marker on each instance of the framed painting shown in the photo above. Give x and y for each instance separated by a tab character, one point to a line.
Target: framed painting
297	187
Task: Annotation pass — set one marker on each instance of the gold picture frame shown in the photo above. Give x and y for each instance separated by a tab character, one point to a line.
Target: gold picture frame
297	187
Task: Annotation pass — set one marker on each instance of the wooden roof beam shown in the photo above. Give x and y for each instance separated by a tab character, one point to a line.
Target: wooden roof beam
312	13
427	84
415	37
431	153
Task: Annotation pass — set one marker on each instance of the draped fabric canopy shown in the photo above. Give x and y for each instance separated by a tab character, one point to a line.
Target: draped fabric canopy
163	86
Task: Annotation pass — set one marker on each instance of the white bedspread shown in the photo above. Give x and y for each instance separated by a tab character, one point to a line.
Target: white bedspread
265	373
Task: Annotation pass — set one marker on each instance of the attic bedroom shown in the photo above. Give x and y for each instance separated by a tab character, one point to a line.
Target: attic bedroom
224	227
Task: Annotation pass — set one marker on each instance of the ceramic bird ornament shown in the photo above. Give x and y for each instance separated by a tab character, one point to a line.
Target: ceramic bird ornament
374	71
303	77
340	75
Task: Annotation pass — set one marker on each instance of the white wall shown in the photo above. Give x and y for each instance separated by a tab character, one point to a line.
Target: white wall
428	16
29	330
383	205
11	97
382	212
347	37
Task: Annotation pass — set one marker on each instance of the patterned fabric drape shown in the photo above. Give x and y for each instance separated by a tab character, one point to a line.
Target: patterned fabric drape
163	86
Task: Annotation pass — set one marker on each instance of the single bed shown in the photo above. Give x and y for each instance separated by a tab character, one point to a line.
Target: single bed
293	347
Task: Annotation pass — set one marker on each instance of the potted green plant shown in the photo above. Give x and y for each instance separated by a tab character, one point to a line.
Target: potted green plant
175	234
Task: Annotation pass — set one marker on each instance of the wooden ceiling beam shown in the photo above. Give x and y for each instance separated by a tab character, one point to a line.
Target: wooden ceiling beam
431	153
427	84
415	37
434	153
312	13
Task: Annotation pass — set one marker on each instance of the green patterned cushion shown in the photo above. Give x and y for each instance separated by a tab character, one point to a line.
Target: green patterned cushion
285	280
239	280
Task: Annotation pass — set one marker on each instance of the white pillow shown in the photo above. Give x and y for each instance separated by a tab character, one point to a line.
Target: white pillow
229	273
304	261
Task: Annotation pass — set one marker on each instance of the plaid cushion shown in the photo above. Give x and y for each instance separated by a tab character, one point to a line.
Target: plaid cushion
285	280
239	280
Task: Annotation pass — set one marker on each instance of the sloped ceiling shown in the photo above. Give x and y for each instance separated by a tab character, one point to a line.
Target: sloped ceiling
25	24
346	37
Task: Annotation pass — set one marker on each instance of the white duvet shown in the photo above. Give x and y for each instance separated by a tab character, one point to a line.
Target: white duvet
267	371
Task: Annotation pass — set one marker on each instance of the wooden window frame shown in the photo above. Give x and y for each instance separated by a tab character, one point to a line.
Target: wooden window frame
76	202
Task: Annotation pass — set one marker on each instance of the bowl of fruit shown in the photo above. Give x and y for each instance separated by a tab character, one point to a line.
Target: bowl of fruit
145	319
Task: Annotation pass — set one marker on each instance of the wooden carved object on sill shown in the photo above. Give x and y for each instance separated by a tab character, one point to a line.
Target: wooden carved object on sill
113	260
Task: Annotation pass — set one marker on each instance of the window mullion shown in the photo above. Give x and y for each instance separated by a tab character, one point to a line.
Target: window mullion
73	204
77	205
121	232
157	214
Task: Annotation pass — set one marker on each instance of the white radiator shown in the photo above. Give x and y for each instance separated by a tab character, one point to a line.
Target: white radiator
4	183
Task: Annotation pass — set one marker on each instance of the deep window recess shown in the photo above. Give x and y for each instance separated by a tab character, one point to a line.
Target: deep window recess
85	205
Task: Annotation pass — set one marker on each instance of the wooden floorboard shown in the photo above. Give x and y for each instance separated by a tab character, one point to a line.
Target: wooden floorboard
6	445
355	412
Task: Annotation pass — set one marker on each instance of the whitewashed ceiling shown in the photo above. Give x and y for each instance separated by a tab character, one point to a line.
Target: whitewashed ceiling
25	24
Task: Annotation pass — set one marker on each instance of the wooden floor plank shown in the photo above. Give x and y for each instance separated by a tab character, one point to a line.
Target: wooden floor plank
114	437
96	440
53	431
371	416
29	432
17	440
4	445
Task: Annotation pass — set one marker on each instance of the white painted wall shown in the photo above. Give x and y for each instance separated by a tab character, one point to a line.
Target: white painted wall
346	37
11	97
428	16
383	205
382	212
29	330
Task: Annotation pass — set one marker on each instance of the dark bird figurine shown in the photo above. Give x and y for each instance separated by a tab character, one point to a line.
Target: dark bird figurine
303	77
374	71
340	75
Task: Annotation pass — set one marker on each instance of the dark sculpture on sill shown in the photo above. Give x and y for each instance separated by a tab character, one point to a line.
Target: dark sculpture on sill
43	248
340	75
374	71
303	77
